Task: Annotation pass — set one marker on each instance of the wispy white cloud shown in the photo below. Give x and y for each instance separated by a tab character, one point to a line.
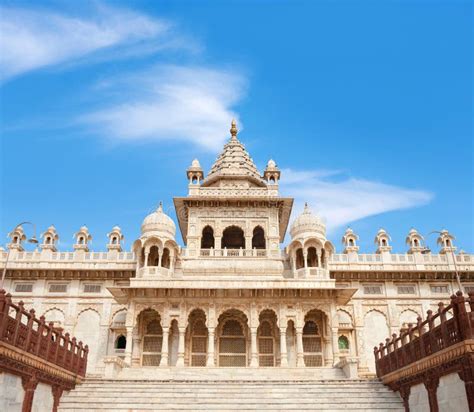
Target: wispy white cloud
32	39
341	200
191	104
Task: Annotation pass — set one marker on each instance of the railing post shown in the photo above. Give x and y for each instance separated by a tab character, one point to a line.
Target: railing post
421	341
18	316
40	335
462	316
49	338
31	318
4	307
433	344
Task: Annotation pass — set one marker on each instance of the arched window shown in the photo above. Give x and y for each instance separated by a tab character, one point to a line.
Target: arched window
384	242
48	240
258	238
448	242
207	239
351	242
233	238
114	240
415	242
120	342
81	240
299	258
165	260
312	258
272	179
312	344
153	256
343	343
195	180
15	239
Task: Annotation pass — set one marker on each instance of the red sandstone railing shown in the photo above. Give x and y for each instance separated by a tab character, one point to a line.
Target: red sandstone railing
436	333
23	330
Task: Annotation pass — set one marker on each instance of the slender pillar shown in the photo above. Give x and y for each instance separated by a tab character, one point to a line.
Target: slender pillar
160	257
180	361
335	346
253	348
210	348
129	346
299	348
248	242
146	259
165	348
283	350
305	258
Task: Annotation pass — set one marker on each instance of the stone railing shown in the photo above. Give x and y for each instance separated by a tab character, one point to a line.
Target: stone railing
442	344
37	352
233	253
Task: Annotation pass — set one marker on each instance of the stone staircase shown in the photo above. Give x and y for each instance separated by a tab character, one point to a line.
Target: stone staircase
221	389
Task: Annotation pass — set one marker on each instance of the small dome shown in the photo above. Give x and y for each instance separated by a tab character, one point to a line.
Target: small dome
84	229
51	229
158	221
271	163
195	163
306	222
116	229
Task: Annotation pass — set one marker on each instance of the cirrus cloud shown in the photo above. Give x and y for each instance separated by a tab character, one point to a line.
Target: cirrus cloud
341	200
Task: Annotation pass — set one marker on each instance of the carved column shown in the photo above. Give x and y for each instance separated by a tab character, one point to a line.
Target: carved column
299	348
57	393
165	348
283	349
129	346
253	348
210	348
182	332
431	384
335	345
146	259
405	394
248	242
29	385
467	375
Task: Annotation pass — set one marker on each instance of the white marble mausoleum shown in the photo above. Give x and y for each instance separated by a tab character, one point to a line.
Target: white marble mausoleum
235	295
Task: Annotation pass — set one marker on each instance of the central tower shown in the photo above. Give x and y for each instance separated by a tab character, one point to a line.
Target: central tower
234	210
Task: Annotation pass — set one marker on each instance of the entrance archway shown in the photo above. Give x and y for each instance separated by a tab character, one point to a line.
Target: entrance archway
198	335
232	339
313	338
152	332
233	238
267	339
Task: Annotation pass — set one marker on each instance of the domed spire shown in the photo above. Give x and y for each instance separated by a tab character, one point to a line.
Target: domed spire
307	224
233	130
158	223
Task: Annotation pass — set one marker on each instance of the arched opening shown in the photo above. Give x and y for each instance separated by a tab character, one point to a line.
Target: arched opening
153	256
198	335
120	342
343	343
312	339
114	240
384	242
15	239
233	238
48	240
351	242
232	341
272	179
142	257
165	260
267	338
81	240
415	242
312	257
152	341
258	238
207	238
448	243
299	258
323	258
194	180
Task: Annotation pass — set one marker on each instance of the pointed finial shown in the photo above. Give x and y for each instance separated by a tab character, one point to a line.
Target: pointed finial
160	207
233	130
306	208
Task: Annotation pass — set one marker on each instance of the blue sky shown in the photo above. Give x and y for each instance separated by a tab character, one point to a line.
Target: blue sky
366	106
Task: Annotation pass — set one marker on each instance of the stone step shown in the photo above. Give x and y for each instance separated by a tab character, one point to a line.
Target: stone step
232	395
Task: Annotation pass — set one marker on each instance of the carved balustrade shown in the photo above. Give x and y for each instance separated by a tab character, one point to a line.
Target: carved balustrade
23	330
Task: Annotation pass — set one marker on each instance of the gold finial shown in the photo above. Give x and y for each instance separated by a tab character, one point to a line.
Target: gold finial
233	129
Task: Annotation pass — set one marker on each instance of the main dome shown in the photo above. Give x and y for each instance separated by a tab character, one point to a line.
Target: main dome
307	224
159	223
